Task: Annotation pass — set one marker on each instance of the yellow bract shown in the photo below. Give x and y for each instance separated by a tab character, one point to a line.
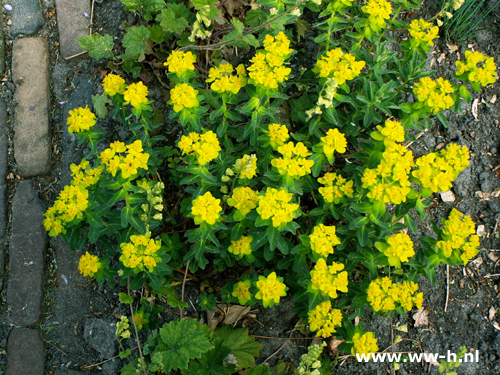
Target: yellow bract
294	162
323	239
485	74
180	62
278	135
206	208
379	11
244	199
115	159
275	204
140	252
323	320
204	146
113	84
334	141
80	119
136	95
270	289
399	250
366	343
434	94
223	80
335	187
246	166
327	279
384	295
241	290
89	265
338	65
184	96
422	33
241	247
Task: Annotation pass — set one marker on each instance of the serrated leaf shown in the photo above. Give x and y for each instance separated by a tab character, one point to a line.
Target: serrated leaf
181	341
254	18
147	7
156	33
212	362
244	347
125	298
170	22
135	40
238	25
198	4
259	370
125	354
302	27
99	102
98	46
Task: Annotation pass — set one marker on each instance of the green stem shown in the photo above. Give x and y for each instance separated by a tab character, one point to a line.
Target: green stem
143	364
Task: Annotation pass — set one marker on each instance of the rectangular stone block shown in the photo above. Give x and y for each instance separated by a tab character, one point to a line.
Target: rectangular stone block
28	243
30	73
72	24
25	354
3	184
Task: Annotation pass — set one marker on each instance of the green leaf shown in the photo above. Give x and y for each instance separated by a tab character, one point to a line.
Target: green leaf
259	370
443	119
126	215
93	219
128	370
138	225
99	102
238	25
198	4
146	7
180	341
125	298
244	347
125	354
171	22
254	18
156	33
212	362
134	42
98	46
363	236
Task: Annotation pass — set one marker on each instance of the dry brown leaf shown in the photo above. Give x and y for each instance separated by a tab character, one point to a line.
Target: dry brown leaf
433	61
452	47
493	99
492	256
496	325
440	146
471	46
480	230
441	58
421	317
334	344
474	108
477	262
447	196
491	313
232	5
356	321
483	196
212	320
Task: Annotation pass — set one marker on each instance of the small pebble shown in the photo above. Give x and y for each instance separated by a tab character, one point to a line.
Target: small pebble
8	7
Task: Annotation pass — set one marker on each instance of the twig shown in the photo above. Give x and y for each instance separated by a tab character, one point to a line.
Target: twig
107	360
491	275
183	285
283	338
75	55
143	364
281	347
55	347
91	17
447	287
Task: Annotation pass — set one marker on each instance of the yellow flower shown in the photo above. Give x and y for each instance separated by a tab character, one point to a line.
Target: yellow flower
223	80
422	33
242	291
270	289
384	295
183	96
399	250
204	146
366	343
244	199
379	11
180	62
393	131
89	265
278	135
323	320
434	93
275	204
334	141
484	75
246	166
136	95
336	187
113	84
129	164
141	252
294	162
241	247
339	66
80	119
323	239
206	208
327	279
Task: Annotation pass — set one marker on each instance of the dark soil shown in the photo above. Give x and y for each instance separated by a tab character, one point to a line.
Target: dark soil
472	300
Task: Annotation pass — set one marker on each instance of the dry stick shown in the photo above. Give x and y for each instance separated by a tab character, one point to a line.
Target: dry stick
135	329
53	346
183	285
283	338
447	287
277	351
90	33
107	360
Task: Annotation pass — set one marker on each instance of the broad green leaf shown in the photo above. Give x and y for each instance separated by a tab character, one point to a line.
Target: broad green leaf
238	25
99	102
98	46
212	362
254	18
244	347
138	224
146	7
126	215
134	42
156	33
170	22
125	298
180	341
198	4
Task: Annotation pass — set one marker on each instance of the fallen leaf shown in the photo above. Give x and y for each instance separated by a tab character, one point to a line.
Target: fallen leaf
212	320
421	317
493	256
10	176
474	108
483	195
356	321
477	262
230	314
452	47
496	325
471	46
492	313
441	58
232	5
480	230
493	99
447	196
433	61
427	359
334	344
440	146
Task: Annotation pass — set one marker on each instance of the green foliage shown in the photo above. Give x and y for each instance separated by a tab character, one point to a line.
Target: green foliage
135	42
447	367
145	7
174	18
243	347
98	47
100	103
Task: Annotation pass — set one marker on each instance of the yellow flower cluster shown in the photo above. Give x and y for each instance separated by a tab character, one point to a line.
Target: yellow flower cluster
204	146
278	135
80	119
84	177
113	84
327	279
223	79
141	252
244	199
485	74
323	320
392	131
334	141
241	247
364	343
389	182
206	208
89	265
323	239
379	11
183	96
270	289
275	204
339	66
437	170
242	291
454	237
246	166
267	68
180	62
399	249
294	162
335	187
70	205
434	93
383	295
115	160
422	33
136	95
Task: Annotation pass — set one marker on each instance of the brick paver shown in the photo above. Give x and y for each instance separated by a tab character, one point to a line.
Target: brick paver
30	73
72	24
28	243
25	354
